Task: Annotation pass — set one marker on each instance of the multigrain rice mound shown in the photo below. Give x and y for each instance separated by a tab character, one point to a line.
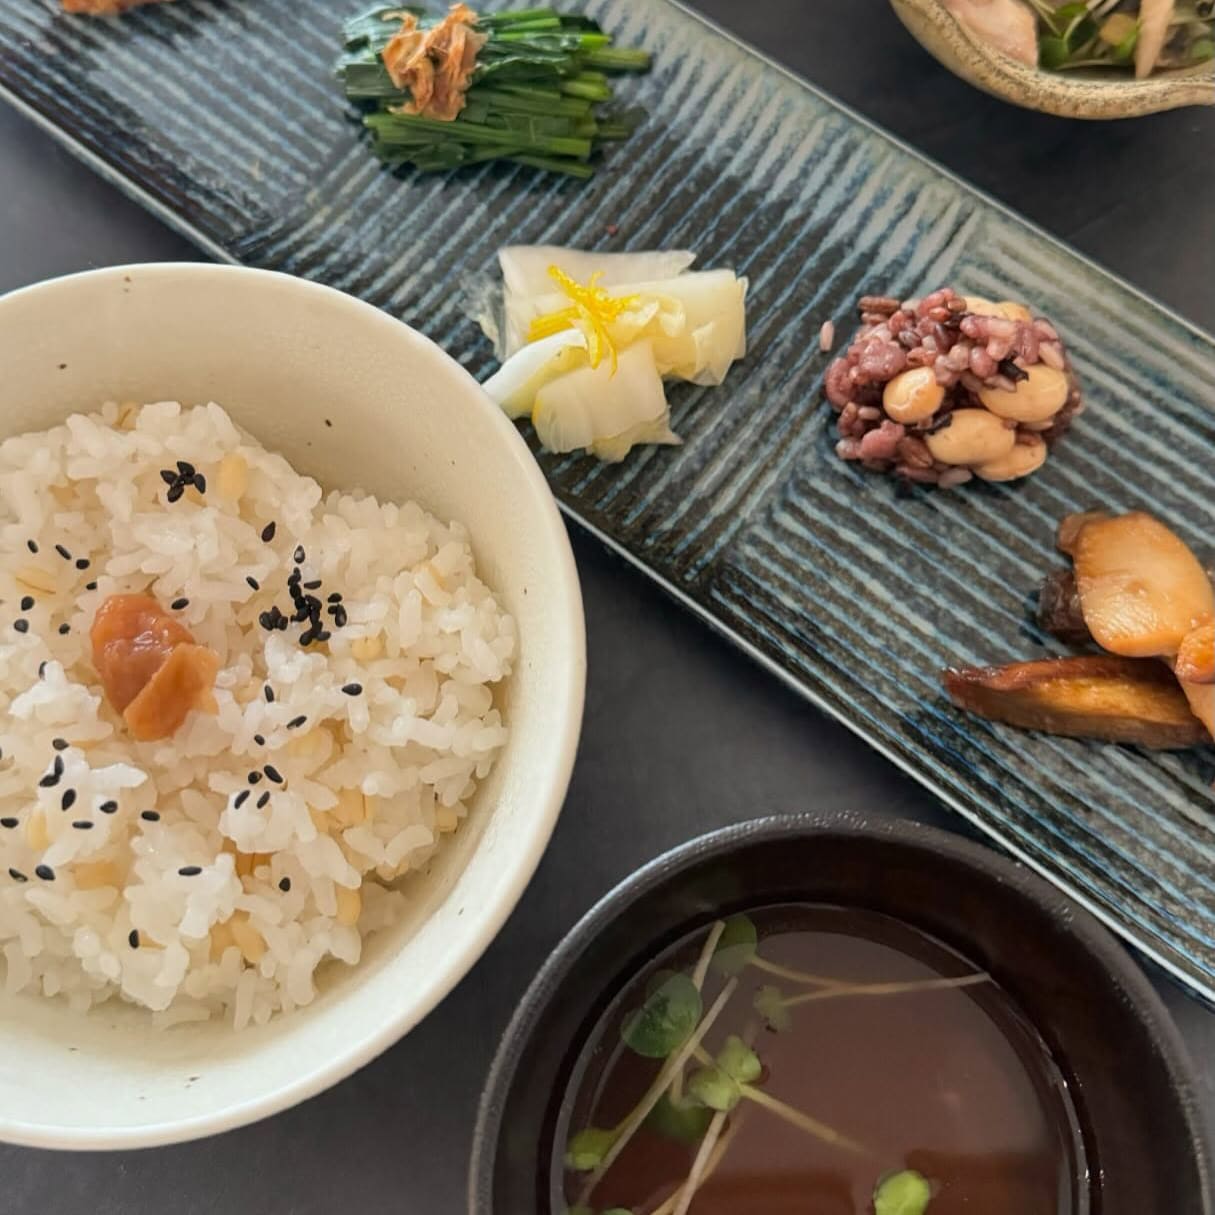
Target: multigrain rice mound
212	873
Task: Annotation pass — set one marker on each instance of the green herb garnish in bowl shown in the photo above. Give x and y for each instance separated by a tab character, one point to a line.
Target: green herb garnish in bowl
1147	35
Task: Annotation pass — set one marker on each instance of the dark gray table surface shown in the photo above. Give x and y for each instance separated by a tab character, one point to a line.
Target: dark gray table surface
682	734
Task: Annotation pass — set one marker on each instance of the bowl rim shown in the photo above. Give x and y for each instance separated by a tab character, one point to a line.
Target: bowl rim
548	793
847	825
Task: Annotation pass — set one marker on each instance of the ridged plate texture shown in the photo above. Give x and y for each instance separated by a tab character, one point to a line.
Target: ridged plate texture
222	115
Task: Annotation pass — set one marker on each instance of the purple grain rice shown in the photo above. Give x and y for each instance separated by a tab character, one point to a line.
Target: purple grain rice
967	352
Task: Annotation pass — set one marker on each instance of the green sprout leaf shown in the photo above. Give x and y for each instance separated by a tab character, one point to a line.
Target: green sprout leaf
1052	52
1124	52
671	1012
736	946
739	1061
714	1089
585	1152
1120	32
685	1124
1068	17
770	1004
1067	30
905	1193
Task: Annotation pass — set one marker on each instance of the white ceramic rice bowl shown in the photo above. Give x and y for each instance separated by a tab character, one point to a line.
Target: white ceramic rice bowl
282	355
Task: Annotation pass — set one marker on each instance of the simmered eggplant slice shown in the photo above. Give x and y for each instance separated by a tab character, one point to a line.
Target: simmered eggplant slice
1096	696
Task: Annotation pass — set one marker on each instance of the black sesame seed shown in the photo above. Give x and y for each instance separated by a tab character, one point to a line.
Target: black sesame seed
133	938
108	807
340	617
296	722
314	585
149	816
45	872
83	824
261	801
68	800
10	823
200	483
60	744
175	492
254	777
57	765
51	779
352	689
42	669
83	563
268	531
268	693
336	597
64	629
268	621
323	635
253	582
168	476
27	603
185	469
21	625
328	422
299	555
17	875
1009	368
90	586
260	739
63	552
284	884
272	773
178	604
190	870
32	545
241	798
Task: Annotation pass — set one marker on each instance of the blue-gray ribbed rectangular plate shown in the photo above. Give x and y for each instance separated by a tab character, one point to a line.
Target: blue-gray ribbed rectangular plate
223	117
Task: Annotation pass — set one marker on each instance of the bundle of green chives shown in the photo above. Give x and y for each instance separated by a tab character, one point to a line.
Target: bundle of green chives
539	96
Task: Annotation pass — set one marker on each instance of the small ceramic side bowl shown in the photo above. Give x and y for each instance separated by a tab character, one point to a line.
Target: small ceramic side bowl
355	399
1069	95
1107	1030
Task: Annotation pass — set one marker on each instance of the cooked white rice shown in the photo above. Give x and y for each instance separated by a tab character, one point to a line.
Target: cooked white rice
94	902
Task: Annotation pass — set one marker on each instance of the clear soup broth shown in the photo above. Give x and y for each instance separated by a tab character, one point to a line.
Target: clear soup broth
837	1062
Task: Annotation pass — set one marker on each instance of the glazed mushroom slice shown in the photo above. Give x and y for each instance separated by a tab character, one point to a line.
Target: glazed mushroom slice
1059	612
1196	658
1142	590
1071	526
1097	696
